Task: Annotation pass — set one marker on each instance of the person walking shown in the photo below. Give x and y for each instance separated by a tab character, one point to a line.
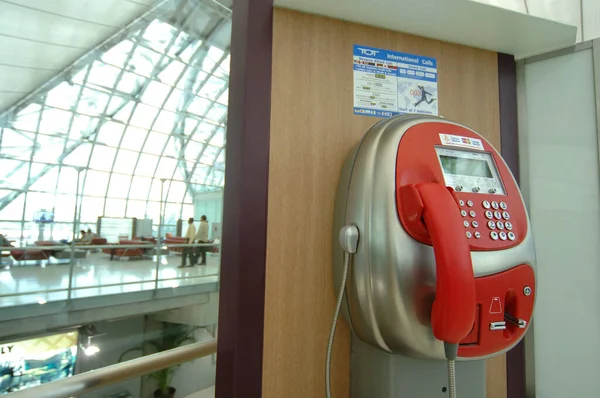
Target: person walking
202	237
189	238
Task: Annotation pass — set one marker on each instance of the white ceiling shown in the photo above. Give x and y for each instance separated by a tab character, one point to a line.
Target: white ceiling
39	38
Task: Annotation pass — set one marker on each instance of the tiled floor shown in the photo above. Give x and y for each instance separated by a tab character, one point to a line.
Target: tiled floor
97	275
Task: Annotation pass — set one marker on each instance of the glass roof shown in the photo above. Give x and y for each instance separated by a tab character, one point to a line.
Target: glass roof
146	106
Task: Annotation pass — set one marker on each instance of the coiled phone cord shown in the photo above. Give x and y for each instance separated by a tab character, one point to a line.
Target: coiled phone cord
336	315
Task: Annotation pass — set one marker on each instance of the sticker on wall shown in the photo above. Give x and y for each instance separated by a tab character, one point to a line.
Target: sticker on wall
388	83
460	141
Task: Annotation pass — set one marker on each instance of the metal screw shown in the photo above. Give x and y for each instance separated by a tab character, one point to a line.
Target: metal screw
527	290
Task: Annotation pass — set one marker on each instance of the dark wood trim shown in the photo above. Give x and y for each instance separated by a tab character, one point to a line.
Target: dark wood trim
242	288
509	139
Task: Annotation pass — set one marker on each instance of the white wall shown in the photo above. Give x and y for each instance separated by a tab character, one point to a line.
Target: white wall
581	13
211	205
559	164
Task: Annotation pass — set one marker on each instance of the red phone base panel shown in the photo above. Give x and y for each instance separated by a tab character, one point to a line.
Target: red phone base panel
498	295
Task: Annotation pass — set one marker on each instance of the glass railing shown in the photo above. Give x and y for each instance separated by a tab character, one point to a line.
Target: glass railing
43	274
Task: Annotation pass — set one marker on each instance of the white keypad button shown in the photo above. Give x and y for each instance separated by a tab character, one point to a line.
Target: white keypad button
505	215
466	224
494	235
477	235
461	202
491	225
503	205
475	224
497	215
502	235
470	203
472	213
508	225
495	205
469	235
486	204
511	236
489	215
463	213
500	225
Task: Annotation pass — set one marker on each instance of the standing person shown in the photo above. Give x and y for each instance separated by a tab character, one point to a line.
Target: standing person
189	238
202	237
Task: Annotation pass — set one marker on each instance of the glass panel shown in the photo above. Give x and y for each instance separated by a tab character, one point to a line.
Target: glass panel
224	98
204	132
166	167
119	185
118	54
133	138
47	182
143	116
174	100
165	122
209	155
114	208
103	75
218	139
93	102
63	96
156	93
16	173
91	208
159	35
193	150
83	127
110	133
14	210
96	183
155	190
50	148
176	192
55	121
172	212
140	187
67	181
28	118
155	143
171	73
102	158
130	83
217	113
146	165
199	106
37	201
143	61
125	162
212	88
79	154
136	208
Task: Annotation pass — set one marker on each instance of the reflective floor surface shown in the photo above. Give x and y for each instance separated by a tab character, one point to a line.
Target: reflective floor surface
97	275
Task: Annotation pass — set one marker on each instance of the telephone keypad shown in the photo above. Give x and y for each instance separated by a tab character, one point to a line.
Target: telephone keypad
496	218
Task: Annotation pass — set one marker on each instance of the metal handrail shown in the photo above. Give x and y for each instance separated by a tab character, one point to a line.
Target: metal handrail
95	379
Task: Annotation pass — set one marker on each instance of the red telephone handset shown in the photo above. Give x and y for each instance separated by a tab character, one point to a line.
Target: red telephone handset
453	310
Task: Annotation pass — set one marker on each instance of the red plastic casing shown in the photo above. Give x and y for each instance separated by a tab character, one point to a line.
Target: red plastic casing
431	214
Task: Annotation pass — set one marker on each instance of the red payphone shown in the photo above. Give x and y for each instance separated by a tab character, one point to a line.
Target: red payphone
438	259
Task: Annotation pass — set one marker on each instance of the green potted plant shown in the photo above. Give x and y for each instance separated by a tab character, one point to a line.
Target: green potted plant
173	335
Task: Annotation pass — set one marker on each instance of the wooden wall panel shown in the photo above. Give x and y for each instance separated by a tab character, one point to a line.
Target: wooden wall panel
312	130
